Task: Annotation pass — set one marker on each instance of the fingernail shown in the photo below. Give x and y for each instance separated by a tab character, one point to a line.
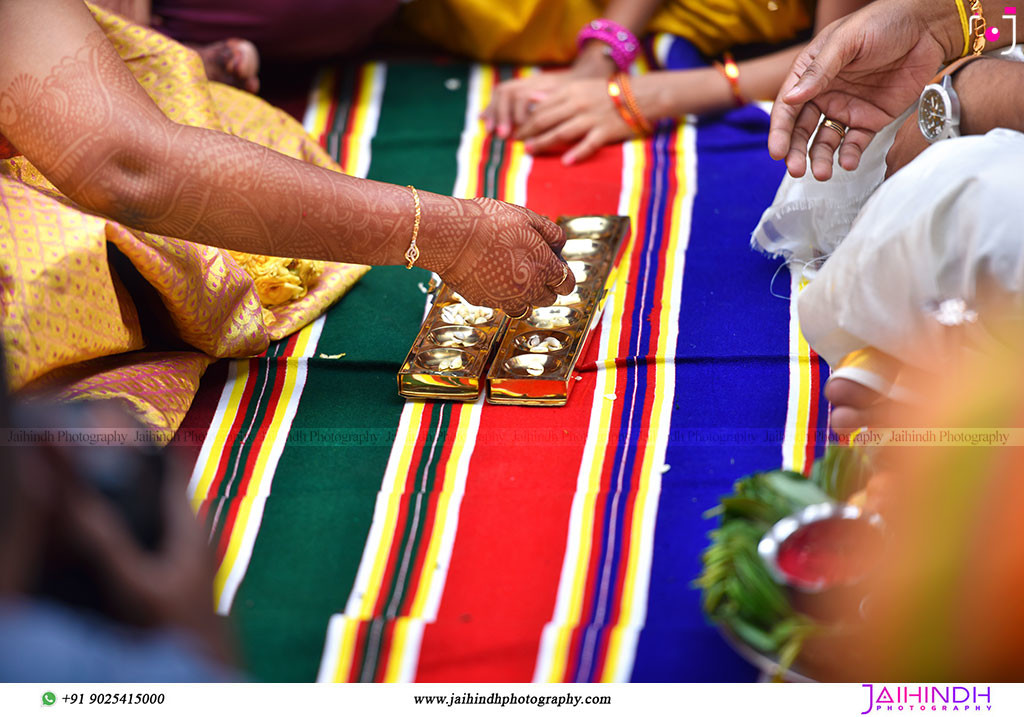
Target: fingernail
488	124
793	92
529	147
503	131
568	161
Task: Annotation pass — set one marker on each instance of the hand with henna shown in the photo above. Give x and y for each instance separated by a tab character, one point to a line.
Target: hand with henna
495	254
70	105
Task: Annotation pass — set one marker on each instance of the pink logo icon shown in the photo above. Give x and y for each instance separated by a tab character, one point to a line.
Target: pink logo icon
992	33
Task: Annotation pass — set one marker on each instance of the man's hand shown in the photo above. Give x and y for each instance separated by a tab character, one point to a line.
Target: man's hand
862	71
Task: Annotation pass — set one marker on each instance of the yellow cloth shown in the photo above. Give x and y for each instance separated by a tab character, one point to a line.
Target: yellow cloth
66	318
544	31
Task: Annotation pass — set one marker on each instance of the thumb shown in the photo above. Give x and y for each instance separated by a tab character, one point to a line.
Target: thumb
835	54
553	234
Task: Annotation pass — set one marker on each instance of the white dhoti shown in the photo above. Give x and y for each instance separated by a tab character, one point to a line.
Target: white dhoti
933	259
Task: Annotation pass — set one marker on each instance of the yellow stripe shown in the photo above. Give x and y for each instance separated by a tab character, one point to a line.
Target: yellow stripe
399	636
488	78
259	473
348	648
475	160
465	414
667	295
360	108
391	515
800	433
322	104
220	441
614	315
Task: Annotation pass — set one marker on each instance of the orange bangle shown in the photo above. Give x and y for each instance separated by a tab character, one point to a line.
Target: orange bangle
622	79
731	72
615	92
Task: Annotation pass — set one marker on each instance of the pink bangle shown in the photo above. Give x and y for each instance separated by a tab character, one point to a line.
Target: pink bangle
622	44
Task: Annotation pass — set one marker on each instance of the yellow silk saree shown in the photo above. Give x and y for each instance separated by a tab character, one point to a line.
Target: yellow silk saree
68	319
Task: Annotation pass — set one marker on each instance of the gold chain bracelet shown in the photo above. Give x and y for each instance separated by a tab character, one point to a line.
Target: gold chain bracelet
413	252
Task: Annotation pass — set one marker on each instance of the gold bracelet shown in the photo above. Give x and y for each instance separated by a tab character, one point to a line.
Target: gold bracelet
969	26
413	252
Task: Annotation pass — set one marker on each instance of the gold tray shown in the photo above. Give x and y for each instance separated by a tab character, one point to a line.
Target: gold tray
523	372
519	375
450	332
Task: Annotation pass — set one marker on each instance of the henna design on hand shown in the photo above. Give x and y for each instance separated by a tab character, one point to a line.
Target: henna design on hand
495	254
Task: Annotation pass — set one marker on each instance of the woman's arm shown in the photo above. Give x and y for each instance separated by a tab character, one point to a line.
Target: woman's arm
70	105
510	105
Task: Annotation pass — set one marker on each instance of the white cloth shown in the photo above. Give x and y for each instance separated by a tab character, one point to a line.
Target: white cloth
808	218
934	252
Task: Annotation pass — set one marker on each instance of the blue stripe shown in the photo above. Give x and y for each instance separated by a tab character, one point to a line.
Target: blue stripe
633	386
732	373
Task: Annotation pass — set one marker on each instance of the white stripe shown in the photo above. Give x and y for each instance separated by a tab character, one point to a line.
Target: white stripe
378	78
255	519
470	129
662	46
451	519
634	621
313	103
332	653
793	409
563	599
411	656
212	430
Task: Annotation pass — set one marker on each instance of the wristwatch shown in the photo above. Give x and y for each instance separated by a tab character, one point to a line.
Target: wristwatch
938	112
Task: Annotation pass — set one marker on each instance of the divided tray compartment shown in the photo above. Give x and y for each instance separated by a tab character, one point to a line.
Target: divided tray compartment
522	375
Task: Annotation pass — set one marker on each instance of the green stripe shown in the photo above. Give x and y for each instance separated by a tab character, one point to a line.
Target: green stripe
316	520
265	371
412	534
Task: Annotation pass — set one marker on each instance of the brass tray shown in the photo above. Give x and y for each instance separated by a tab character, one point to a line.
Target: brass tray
523	373
534	357
451	352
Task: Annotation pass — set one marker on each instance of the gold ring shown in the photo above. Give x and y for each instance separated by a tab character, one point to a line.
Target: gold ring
565	275
522	315
835	127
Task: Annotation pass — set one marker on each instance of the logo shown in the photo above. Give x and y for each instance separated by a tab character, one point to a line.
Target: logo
49	698
992	33
922	698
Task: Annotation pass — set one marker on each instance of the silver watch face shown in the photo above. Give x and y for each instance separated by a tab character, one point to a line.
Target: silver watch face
932	114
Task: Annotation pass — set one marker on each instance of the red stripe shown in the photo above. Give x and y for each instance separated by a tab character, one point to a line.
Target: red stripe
508	552
430	513
409	482
188	441
350	119
261	423
232	435
812	413
356	668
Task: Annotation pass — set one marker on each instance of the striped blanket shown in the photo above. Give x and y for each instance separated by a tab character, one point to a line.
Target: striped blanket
362	537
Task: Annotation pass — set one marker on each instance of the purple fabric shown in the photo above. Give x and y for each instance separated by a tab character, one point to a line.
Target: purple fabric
280	29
